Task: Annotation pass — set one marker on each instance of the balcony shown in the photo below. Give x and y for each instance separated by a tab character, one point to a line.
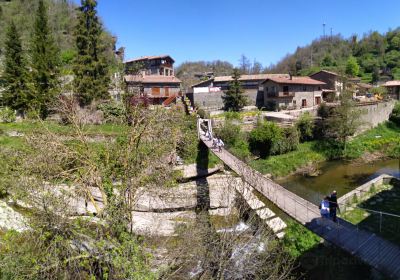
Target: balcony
281	94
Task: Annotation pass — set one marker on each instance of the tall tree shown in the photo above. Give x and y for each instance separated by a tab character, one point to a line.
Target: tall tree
234	100
345	120
257	67
352	67
15	76
91	75
45	62
244	65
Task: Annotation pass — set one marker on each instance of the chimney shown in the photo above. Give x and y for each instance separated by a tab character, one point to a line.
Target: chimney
290	76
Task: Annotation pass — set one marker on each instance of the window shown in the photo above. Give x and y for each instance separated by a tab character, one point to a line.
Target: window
304	103
304	88
162	71
286	89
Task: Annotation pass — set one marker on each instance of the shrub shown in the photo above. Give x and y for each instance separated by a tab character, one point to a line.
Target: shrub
113	112
229	133
264	138
203	114
231	115
289	142
395	115
7	115
305	126
323	111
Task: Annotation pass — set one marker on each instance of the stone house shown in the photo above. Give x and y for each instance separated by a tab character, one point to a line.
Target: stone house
393	88
292	92
208	94
153	77
333	84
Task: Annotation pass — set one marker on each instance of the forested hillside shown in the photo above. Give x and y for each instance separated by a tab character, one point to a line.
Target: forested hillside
187	70
62	20
378	56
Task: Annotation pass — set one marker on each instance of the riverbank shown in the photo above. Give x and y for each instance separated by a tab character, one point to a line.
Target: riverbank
381	142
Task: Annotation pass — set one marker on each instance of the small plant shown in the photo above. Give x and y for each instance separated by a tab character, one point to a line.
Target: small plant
372	189
7	115
355	199
231	115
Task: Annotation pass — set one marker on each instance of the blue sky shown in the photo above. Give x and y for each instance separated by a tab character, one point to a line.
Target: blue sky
191	30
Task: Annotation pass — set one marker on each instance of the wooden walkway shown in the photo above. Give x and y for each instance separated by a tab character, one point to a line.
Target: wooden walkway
372	249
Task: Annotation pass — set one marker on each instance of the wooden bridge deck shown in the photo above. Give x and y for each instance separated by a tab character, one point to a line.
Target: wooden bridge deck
372	249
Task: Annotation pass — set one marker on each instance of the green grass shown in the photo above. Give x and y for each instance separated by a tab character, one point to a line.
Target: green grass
35	127
386	199
285	164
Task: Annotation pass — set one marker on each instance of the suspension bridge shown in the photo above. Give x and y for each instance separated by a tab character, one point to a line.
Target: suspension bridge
367	246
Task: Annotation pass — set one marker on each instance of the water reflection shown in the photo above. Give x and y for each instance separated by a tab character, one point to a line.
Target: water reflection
340	176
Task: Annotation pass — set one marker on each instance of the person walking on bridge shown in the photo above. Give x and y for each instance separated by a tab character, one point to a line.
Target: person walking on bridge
220	144
333	206
324	207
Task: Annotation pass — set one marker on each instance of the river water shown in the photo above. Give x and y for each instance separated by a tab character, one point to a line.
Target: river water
338	175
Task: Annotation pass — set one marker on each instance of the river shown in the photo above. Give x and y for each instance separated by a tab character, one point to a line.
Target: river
341	176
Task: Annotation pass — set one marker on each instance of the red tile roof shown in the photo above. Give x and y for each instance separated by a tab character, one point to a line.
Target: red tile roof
142	58
325	71
253	77
296	81
148	79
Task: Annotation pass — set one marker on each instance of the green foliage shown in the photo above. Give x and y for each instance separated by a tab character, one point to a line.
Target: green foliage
344	121
230	133
264	139
91	73
44	64
67	56
395	115
203	114
113	112
233	99
298	239
352	67
7	115
305	125
15	76
289	142
232	115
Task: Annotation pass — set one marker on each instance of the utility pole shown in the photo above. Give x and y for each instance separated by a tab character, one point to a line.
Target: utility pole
331	33
323	29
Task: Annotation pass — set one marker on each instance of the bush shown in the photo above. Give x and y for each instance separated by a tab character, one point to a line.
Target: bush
323	111
288	143
264	138
229	133
305	126
203	114
113	112
395	115
231	115
7	115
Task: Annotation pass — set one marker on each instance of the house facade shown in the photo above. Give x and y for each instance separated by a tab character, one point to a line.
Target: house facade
152	77
393	88
333	83
292	92
208	94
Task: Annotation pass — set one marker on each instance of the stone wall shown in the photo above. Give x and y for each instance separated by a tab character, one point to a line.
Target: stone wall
213	100
376	113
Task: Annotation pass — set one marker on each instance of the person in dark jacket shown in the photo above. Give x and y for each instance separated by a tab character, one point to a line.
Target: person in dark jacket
333	206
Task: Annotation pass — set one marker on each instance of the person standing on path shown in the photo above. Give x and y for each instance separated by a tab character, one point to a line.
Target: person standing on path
333	206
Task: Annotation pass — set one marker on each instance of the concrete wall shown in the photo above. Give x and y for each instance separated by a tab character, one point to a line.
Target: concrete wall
374	114
213	100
